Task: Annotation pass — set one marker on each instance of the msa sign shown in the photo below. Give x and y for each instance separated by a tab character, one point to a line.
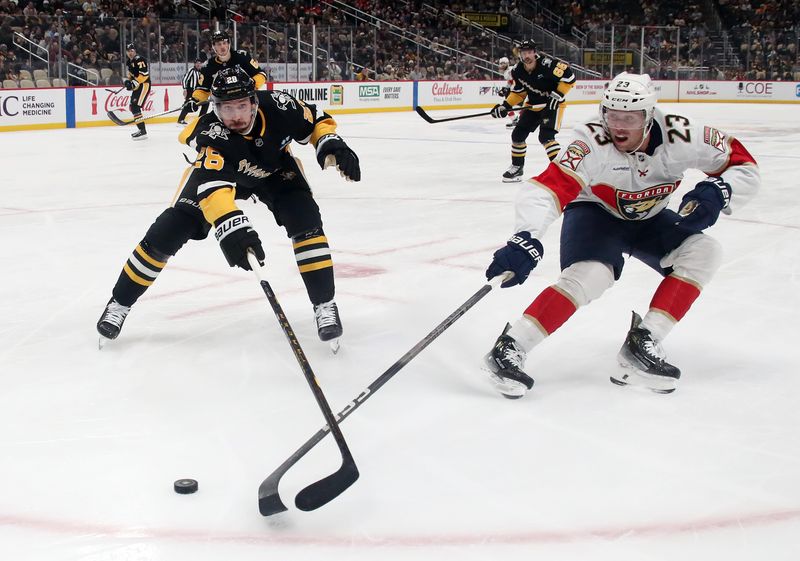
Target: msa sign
372	90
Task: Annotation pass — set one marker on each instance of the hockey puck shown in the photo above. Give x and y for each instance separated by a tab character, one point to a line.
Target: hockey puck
185	486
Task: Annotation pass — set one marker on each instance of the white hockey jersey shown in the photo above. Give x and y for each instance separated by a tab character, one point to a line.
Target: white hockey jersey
634	186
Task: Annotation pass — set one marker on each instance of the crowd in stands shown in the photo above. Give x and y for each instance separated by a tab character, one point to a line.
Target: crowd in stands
413	39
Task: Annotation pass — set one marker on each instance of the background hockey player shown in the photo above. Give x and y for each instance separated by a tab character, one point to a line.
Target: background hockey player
243	150
541	82
223	58
613	183
138	83
504	66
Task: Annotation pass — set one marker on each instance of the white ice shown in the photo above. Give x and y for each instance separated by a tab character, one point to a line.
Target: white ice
202	383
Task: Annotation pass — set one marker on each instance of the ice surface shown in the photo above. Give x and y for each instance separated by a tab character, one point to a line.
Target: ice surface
202	383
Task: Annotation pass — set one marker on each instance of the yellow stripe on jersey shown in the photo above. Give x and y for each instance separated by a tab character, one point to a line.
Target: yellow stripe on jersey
141	253
321	128
136	278
260	80
317	239
563	88
219	203
187	131
201	95
315	266
181	184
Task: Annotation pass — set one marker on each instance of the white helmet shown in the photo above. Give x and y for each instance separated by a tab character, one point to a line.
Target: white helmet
503	60
630	92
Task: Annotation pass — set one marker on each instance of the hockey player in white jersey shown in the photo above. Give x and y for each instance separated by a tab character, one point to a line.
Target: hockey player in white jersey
613	183
504	66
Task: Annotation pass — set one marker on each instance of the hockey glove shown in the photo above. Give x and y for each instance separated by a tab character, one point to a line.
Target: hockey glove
554	101
500	110
235	237
190	105
130	85
701	206
520	255
331	150
504	91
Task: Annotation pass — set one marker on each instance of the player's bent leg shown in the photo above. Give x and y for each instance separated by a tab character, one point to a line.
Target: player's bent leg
642	356
578	284
170	231
314	261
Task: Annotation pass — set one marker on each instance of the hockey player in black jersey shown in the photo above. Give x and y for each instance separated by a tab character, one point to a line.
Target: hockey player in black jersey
138	83
224	58
542	82
243	150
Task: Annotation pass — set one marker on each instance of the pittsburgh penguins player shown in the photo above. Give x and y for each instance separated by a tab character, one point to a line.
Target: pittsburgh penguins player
138	83
224	58
542	82
243	150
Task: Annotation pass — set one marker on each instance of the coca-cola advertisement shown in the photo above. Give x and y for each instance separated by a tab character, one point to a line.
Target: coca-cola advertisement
93	104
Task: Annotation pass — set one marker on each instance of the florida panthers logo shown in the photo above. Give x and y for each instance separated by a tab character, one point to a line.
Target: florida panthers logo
639	204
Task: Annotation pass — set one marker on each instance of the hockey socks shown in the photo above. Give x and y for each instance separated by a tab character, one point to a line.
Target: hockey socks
315	264
138	273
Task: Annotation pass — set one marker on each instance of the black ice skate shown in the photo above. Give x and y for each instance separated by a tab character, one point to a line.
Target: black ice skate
329	325
512	123
643	362
504	363
139	135
512	174
110	323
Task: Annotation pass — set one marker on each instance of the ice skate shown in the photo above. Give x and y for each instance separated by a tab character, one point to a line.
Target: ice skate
139	135
110	322
643	362
329	325
504	363
512	123
512	174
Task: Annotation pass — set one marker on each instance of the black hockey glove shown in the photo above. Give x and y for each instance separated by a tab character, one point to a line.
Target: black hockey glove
130	85
332	146
235	237
554	101
520	255
501	110
701	206
504	91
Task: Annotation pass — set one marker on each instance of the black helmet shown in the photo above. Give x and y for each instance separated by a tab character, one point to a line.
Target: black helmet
220	36
232	83
527	44
130	47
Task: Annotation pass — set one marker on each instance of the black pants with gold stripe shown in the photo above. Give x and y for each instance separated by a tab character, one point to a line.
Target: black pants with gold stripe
286	194
138	99
548	122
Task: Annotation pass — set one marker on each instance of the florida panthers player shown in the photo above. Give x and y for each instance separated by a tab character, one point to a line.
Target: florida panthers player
613	183
504	67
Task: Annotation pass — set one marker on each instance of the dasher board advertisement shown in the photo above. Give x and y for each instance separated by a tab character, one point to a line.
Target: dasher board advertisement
33	109
92	104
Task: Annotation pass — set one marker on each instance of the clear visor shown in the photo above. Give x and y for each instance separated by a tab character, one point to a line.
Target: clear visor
235	108
624	120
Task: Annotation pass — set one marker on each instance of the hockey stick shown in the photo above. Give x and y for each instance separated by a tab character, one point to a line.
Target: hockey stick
421	112
269	500
326	489
117	121
114	92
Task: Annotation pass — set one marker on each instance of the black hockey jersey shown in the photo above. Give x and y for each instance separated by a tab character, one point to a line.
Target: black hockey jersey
230	160
138	70
214	65
548	75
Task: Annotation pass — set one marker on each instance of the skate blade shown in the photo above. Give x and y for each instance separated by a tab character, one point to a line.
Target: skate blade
334	343
512	179
510	389
632	376
102	342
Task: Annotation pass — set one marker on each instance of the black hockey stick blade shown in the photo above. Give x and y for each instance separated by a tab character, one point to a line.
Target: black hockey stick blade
328	488
319	493
421	112
116	120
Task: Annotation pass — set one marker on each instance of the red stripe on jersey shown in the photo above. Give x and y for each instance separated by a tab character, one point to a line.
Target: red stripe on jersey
739	155
564	186
551	309
674	297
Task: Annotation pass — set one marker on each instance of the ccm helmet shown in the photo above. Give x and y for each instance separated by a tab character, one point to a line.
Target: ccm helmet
630	92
